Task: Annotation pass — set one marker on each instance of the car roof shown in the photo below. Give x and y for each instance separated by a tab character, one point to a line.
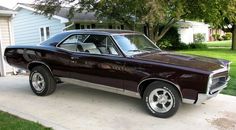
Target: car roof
102	31
60	36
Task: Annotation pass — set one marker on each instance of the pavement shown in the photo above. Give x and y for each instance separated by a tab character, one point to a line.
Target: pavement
78	108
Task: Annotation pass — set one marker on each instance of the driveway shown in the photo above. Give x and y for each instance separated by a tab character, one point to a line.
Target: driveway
78	108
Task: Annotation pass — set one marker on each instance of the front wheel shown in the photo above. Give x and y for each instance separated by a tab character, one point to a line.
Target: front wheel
161	99
41	81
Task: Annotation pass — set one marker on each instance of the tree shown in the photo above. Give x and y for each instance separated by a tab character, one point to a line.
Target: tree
220	14
157	15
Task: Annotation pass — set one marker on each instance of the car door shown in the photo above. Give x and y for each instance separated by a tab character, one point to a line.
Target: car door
97	61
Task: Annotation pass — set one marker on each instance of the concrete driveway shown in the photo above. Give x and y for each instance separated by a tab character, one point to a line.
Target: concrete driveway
78	108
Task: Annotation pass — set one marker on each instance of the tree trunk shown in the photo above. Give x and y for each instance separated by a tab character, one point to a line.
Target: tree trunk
234	37
166	28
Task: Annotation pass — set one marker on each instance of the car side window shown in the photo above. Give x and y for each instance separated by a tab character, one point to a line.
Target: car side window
100	44
73	43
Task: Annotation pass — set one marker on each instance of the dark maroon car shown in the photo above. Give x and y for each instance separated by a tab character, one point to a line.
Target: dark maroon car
123	62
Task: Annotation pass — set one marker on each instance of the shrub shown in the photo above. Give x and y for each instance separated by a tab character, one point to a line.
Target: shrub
216	36
199	37
227	36
170	40
164	44
180	46
197	46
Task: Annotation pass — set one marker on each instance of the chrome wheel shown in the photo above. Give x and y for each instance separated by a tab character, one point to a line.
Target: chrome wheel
38	82
160	100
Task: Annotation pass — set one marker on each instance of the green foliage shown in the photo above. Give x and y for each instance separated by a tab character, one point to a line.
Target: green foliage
218	44
180	46
171	40
216	36
227	36
198	38
164	44
197	46
10	122
152	14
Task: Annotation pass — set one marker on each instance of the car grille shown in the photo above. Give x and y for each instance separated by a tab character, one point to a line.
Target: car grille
219	80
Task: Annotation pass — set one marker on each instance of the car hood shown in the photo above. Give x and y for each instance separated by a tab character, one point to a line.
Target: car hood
189	61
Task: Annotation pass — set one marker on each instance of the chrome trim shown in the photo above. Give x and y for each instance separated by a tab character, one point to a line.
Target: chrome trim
188	101
100	87
203	97
219	70
40	62
210	78
66	38
159	79
229	65
219	88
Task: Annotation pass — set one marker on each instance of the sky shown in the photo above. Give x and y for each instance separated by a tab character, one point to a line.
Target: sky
11	3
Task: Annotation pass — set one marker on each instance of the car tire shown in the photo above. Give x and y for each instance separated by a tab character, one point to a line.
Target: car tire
161	99
41	81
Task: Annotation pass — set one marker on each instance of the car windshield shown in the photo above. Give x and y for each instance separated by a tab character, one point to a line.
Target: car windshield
132	44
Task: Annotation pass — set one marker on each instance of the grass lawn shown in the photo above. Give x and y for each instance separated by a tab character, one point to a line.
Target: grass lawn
10	122
222	53
226	44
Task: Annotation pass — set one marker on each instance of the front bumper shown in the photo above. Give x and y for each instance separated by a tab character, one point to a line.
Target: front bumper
202	97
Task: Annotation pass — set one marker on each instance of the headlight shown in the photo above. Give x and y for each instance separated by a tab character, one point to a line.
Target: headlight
209	84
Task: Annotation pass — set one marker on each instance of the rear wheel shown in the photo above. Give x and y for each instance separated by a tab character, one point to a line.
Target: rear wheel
161	99
41	81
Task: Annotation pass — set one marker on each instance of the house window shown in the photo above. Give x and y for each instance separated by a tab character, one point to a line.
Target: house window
84	26
88	26
122	27
93	26
44	33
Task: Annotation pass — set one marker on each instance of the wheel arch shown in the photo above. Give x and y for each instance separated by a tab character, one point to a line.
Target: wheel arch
33	64
144	84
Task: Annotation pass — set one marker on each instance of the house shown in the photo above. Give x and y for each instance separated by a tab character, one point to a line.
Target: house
32	28
6	37
187	30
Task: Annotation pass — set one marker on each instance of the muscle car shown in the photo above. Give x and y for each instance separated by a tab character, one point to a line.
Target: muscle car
124	62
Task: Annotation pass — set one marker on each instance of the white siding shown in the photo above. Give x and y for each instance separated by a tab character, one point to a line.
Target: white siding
26	26
5	33
203	29
5	40
186	35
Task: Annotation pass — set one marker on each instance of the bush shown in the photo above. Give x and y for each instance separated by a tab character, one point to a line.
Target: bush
180	46
197	46
164	44
216	36
171	40
227	36
199	37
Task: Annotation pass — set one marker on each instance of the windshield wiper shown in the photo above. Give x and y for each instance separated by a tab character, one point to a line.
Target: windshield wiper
149	48
134	50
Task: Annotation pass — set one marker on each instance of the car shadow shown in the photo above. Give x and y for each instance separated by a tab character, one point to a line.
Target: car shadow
88	95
